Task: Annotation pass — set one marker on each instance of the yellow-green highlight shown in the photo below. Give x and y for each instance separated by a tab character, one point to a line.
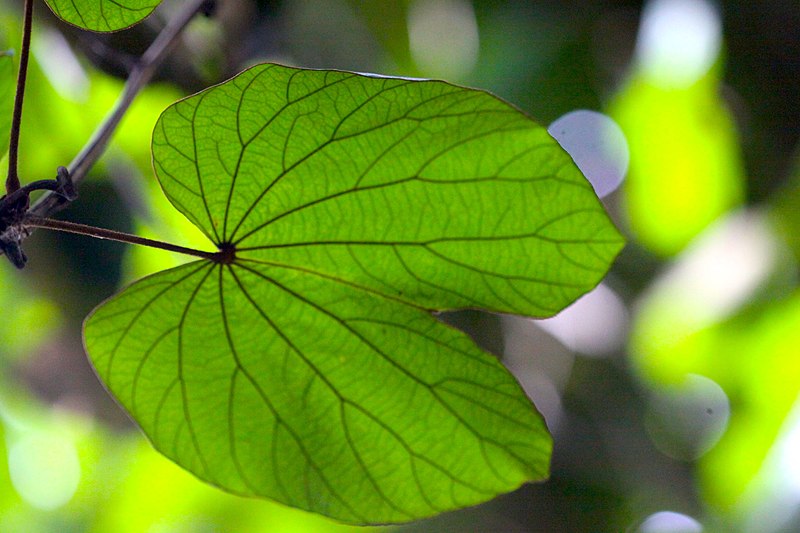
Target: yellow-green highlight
753	357
685	167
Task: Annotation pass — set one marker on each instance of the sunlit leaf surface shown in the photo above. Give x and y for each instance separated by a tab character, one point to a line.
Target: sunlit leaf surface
103	15
310	369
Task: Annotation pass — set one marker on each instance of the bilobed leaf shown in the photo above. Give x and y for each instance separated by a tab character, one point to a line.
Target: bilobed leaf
311	370
102	15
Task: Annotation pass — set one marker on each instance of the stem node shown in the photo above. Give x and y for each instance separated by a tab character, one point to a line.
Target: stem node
226	254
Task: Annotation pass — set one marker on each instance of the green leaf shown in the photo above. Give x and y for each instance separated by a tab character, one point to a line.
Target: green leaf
311	370
8	77
103	15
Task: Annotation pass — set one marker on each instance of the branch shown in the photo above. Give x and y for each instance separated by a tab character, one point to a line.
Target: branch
141	74
12	181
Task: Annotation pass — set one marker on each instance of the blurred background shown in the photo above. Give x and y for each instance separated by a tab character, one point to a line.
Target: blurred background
671	390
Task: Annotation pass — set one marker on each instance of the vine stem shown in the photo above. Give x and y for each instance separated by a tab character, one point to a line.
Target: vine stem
140	75
12	181
101	233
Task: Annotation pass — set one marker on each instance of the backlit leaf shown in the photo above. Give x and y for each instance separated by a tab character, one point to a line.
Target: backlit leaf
310	370
103	15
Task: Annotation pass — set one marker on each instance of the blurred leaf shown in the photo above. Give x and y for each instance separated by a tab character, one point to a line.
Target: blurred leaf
7	496
38	317
388	22
309	370
103	15
685	167
695	324
760	349
8	79
754	358
784	211
57	126
160	221
320	33
46	456
179	504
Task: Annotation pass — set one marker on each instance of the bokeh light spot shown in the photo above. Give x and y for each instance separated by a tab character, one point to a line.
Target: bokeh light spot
44	469
597	145
443	37
685	421
60	66
594	325
669	522
679	40
715	276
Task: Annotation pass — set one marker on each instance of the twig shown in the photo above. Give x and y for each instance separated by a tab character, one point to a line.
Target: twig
12	181
139	77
